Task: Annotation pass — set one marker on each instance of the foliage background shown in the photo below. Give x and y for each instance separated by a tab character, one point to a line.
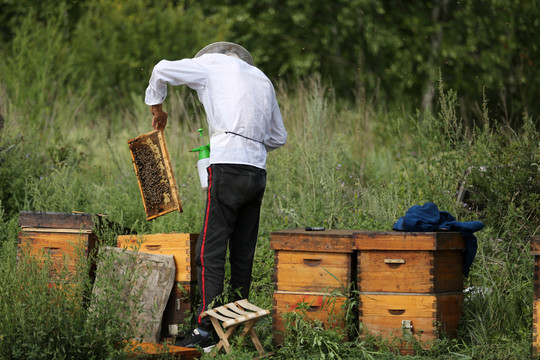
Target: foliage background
388	50
387	105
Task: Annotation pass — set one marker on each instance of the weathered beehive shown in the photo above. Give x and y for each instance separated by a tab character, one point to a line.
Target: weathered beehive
66	239
312	271
535	251
149	279
183	297
155	175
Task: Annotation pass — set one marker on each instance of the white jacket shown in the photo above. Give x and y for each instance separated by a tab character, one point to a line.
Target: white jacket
239	100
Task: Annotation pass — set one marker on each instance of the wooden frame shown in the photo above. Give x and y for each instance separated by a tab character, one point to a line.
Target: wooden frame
155	175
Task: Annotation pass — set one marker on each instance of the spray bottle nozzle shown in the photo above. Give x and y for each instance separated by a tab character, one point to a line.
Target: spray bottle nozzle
204	149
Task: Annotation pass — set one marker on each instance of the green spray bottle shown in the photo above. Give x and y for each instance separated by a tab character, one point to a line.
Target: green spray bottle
204	161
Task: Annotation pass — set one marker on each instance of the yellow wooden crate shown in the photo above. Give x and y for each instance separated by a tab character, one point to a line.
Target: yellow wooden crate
66	239
311	271
180	245
413	271
315	268
152	351
313	261
325	308
425	316
64	249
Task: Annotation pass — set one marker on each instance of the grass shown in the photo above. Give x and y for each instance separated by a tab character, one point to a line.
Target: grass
344	166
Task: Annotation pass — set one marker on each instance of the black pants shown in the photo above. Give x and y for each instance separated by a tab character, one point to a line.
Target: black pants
232	215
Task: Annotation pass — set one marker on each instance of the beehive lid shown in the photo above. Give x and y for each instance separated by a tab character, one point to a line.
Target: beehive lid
402	240
58	220
328	240
155	175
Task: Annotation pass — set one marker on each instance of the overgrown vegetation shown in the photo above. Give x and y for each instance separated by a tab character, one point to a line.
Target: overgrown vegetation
347	164
317	179
46	316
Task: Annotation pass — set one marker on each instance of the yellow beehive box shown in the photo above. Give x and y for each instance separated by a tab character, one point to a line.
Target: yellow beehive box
65	238
410	283
313	269
535	251
180	245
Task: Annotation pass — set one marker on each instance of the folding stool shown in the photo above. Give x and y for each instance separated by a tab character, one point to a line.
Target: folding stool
232	315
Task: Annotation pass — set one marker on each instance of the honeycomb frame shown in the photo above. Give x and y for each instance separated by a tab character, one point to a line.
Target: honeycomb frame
155	175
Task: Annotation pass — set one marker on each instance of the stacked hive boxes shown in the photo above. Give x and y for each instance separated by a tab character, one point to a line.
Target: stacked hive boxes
535	251
183	295
312	269
408	283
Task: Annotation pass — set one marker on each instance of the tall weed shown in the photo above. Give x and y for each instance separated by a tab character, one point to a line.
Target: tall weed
318	194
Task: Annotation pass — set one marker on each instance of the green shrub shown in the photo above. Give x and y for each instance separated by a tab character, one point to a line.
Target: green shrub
504	184
320	193
37	65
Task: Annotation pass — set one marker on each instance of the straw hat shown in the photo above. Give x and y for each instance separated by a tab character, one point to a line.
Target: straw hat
227	48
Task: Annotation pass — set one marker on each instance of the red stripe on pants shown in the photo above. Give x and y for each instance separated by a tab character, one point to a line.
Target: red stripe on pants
204	240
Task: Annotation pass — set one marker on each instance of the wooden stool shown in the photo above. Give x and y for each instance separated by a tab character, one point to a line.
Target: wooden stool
233	315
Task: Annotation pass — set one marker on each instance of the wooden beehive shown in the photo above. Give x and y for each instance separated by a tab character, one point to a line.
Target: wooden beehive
326	308
183	298
152	351
535	251
181	307
313	270
155	175
63	237
410	283
180	245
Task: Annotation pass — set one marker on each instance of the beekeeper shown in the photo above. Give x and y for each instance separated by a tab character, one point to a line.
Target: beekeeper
244	123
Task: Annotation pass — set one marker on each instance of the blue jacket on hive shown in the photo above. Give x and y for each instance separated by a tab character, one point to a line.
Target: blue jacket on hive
428	218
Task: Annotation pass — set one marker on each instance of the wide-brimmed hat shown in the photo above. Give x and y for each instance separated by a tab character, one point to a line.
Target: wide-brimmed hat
224	47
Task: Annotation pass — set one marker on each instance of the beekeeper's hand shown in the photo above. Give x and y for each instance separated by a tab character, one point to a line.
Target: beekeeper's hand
160	117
